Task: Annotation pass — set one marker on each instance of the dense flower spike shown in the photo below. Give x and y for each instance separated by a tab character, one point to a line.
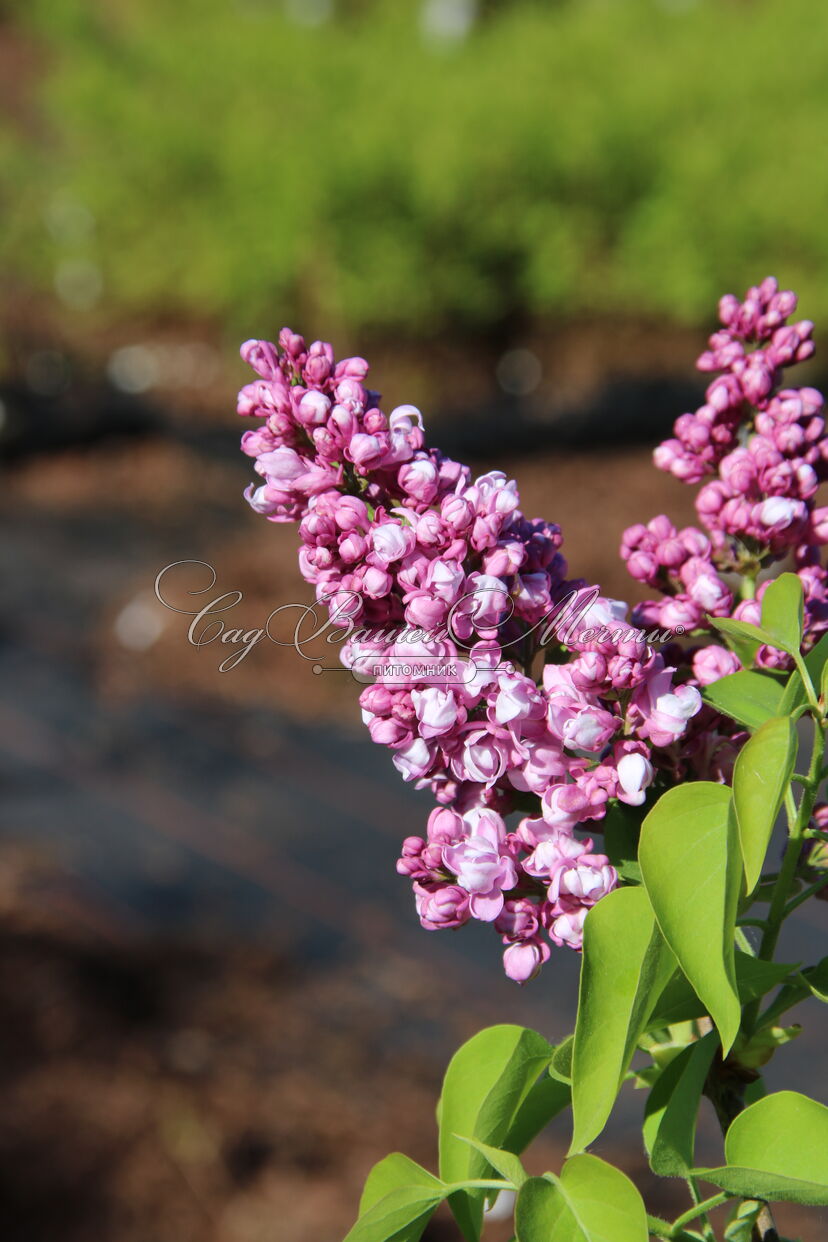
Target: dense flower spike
762	451
498	683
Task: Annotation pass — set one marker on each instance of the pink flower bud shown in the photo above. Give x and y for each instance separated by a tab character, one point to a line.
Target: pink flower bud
441	905
711	663
635	774
262	357
523	961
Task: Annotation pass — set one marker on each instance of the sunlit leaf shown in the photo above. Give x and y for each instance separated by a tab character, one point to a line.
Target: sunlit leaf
545	1100
760	781
782	611
590	1202
747	697
486	1084
622	829
672	1109
624	967
777	1149
754	977
503	1162
794	695
692	872
399	1216
394	1172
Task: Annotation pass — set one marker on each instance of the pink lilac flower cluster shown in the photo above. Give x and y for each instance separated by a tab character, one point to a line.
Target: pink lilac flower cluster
761	451
448	599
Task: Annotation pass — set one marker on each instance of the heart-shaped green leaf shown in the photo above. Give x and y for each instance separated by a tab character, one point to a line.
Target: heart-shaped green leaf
692	871
747	697
395	1172
624	968
486	1084
777	1149
399	1216
760	781
590	1202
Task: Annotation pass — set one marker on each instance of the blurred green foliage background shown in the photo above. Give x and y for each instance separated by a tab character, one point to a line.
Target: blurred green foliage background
343	164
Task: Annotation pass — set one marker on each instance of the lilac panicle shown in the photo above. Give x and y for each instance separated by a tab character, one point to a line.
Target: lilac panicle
443	590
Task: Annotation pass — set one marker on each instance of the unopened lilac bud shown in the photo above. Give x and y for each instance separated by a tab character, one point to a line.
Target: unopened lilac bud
319	363
351	368
644	567
523	961
635	774
352	547
410	861
711	663
729	308
313	409
262	357
819	524
376	582
445	826
724	393
441	905
518	920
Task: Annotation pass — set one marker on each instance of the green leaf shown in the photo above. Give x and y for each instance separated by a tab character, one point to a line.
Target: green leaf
392	1173
663	1082
741	637
503	1162
486	1084
560	1067
590	1202
672	1109
777	1149
754	977
816	978
399	1216
622	828
744	1217
760	781
794	695
747	697
679	1003
624	967
546	1099
782	612
692	872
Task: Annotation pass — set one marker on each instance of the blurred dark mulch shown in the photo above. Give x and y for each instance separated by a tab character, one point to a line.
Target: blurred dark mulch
160	1092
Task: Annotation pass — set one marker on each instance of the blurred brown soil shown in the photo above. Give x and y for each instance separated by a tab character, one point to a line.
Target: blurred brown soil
173	1092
